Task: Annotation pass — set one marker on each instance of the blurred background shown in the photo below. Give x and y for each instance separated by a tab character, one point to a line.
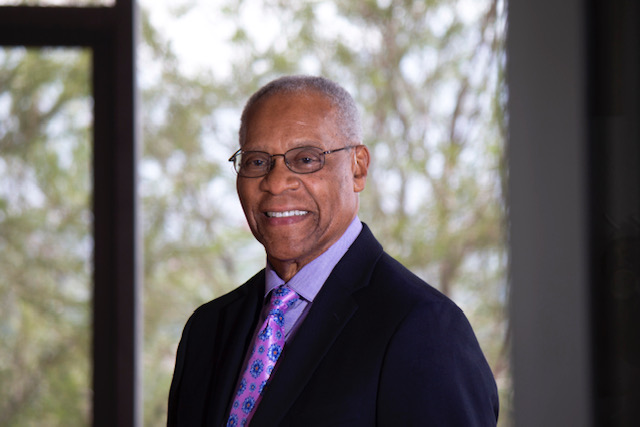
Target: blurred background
428	76
552	294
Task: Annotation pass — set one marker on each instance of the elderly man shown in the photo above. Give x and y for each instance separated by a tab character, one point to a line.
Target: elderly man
333	331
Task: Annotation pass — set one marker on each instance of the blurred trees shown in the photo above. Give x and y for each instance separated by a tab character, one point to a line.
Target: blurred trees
428	76
45	237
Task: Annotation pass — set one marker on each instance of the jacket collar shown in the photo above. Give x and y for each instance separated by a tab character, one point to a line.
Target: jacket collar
331	311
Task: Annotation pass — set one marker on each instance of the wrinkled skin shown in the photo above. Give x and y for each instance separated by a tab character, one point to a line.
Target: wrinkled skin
297	217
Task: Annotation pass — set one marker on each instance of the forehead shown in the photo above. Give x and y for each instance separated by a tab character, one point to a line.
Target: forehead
291	117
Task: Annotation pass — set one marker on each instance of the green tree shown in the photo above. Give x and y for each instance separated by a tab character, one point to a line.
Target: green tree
45	238
429	78
190	237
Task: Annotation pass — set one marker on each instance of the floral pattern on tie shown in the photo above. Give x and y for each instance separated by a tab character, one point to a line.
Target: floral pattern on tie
264	354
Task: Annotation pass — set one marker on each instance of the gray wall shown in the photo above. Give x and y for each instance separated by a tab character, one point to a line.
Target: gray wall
574	188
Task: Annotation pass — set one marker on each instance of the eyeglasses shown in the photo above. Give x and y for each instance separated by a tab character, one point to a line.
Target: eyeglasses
254	164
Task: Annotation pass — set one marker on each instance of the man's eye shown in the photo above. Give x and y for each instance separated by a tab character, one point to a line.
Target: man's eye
254	161
305	160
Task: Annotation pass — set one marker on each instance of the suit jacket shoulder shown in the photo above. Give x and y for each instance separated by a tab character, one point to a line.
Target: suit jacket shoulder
380	346
434	369
210	353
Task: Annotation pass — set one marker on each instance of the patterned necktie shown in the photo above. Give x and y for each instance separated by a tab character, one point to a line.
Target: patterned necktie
266	350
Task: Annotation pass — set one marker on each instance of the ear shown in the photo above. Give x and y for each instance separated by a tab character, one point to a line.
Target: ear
360	167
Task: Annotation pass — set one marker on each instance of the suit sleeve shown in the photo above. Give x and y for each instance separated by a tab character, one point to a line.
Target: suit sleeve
435	370
172	408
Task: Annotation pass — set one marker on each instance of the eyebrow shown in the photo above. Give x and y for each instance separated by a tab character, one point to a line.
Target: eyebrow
303	143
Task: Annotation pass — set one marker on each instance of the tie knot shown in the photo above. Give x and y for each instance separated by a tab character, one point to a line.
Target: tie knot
282	298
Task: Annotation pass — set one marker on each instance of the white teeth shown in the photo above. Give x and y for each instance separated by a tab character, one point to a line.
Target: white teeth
286	214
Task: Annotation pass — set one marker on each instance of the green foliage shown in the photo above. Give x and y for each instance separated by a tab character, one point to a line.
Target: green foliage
44	237
429	76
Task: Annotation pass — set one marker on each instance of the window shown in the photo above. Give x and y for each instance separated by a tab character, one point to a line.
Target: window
45	236
106	248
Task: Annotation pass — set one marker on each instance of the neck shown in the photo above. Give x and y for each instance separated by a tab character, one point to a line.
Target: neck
286	269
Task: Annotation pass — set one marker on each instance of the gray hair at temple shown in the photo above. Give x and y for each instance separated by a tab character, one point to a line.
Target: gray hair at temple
347	115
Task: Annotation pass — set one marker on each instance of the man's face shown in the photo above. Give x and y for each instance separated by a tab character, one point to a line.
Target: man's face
298	216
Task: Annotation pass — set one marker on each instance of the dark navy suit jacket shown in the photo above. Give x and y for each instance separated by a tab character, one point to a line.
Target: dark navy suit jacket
378	347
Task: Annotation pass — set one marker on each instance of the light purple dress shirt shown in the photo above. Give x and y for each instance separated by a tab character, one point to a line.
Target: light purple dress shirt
309	280
307	283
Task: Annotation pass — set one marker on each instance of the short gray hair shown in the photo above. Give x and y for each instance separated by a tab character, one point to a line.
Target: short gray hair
347	116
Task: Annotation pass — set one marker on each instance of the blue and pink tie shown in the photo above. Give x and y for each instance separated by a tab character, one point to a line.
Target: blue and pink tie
264	354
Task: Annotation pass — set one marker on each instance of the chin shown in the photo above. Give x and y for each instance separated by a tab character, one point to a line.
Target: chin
283	256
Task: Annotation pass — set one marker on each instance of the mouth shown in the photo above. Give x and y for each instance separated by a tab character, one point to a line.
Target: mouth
285	214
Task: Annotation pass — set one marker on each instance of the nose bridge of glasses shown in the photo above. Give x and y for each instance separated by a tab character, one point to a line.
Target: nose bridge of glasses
278	178
300	160
272	162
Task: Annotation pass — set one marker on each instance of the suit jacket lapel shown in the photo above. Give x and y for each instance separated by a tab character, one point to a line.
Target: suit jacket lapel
331	311
234	332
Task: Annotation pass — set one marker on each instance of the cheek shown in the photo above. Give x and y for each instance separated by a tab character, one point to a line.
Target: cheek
247	200
334	196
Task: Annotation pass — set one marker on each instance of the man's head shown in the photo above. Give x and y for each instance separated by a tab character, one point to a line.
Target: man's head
297	216
347	116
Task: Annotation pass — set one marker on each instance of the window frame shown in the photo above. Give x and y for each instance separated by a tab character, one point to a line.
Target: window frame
111	34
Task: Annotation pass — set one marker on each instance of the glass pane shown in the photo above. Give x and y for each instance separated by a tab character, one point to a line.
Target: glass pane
80	3
45	237
428	77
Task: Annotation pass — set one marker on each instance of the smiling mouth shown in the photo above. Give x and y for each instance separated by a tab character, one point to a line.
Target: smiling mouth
285	214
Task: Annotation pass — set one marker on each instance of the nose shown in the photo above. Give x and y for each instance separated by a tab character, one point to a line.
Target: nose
279	178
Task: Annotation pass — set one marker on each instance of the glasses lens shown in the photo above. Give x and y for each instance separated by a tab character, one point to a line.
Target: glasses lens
252	163
305	159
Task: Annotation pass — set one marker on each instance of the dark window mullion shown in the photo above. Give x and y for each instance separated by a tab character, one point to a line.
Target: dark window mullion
109	31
